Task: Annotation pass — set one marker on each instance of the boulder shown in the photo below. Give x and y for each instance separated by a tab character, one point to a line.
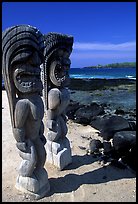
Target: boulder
131	158
132	125
107	147
85	114
119	111
124	140
98	121
72	108
94	146
113	124
124	143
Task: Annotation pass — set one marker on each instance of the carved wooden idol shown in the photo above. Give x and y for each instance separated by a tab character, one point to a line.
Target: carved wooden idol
22	48
58	48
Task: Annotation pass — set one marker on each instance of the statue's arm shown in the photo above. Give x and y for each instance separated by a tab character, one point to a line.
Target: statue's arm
41	133
52	114
20	115
53	104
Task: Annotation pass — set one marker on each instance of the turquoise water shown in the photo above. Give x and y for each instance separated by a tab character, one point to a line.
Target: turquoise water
103	73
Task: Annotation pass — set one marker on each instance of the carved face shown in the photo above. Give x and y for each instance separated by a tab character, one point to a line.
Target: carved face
27	76
59	68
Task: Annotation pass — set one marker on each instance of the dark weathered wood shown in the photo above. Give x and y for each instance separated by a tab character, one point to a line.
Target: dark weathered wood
22	48
57	51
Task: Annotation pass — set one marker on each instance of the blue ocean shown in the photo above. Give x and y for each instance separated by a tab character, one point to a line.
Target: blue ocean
103	73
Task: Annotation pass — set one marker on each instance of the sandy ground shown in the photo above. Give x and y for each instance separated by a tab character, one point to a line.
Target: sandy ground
85	180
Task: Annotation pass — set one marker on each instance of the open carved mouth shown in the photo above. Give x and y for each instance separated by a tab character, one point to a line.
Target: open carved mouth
27	78
61	72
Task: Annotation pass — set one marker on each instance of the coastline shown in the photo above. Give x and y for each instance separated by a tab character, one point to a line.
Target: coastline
93	84
96	101
114	92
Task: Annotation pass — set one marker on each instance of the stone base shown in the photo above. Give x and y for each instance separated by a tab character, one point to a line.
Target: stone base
59	154
37	186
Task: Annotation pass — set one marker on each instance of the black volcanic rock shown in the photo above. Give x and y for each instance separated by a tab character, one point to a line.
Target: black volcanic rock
124	140
72	108
85	114
113	124
95	145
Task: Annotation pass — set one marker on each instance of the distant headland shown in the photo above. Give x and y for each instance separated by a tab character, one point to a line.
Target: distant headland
115	65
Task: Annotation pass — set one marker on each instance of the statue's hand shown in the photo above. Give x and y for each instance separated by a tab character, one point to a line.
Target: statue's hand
27	151
51	124
21	146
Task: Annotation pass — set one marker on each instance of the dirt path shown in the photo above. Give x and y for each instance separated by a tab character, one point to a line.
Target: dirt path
85	180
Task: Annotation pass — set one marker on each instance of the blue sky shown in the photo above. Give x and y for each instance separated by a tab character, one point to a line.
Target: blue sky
104	32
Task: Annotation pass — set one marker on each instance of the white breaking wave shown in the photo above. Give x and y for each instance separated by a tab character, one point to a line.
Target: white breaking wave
130	77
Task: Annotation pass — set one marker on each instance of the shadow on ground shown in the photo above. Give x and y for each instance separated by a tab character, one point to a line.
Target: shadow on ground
71	182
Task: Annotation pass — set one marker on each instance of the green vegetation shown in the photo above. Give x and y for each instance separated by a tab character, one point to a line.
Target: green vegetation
115	65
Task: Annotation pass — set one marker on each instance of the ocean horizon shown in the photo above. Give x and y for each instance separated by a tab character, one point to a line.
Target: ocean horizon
103	73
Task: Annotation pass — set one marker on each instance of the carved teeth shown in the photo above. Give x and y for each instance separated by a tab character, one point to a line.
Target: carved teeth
28	79
27	84
23	83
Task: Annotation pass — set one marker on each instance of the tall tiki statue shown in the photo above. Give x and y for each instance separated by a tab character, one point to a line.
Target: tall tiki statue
22	48
58	48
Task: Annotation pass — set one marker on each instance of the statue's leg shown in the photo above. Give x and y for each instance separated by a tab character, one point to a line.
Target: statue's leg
36	184
29	161
59	151
41	153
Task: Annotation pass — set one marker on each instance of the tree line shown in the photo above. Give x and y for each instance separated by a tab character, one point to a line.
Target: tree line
116	65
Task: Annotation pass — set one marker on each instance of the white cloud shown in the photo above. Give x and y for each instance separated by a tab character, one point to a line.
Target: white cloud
127	46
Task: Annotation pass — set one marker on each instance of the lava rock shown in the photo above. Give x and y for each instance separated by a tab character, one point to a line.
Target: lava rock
124	140
107	147
85	114
113	124
132	125
72	108
119	111
95	145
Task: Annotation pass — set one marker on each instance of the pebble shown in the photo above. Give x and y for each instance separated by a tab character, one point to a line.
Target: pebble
83	148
